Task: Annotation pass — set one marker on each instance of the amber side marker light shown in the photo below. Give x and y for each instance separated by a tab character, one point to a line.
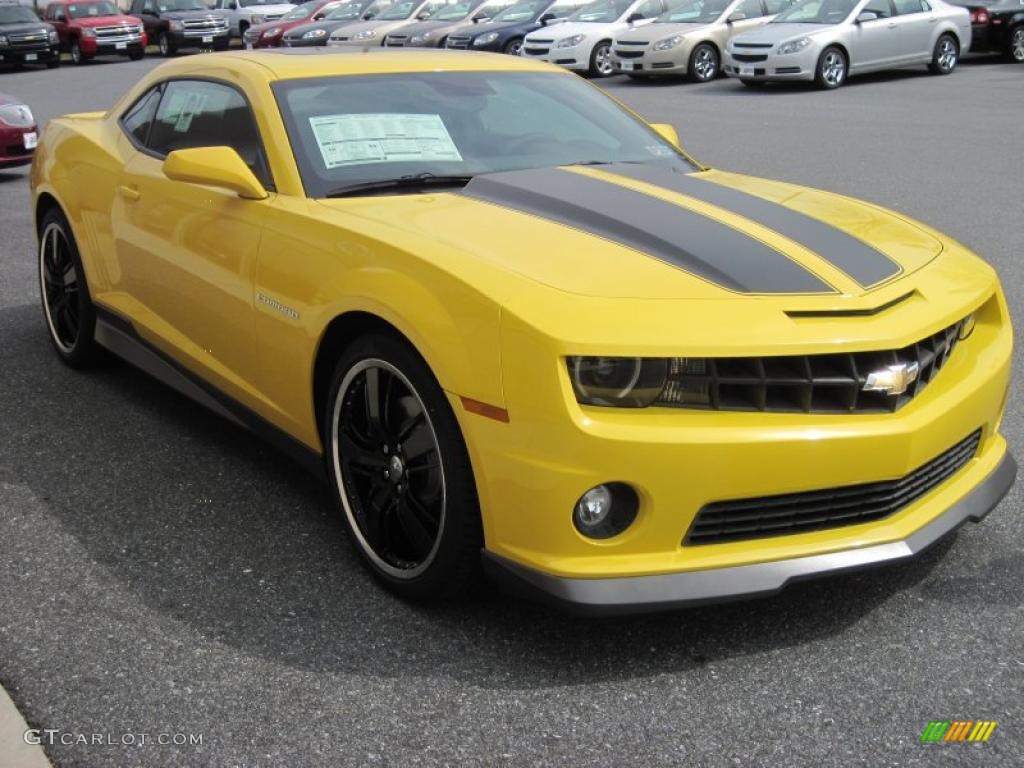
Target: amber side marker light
485	409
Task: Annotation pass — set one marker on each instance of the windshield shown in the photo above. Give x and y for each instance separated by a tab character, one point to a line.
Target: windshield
816	12
12	14
522	11
250	3
455	12
181	5
85	10
356	129
601	11
694	12
303	11
347	11
399	11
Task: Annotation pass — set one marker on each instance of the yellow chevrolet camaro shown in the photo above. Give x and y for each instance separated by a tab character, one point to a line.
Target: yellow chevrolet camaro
517	327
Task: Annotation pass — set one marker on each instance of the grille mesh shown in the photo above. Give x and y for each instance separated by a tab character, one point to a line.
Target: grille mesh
804	383
756	518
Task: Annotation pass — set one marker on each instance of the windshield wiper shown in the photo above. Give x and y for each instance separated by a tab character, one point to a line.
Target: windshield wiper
412	181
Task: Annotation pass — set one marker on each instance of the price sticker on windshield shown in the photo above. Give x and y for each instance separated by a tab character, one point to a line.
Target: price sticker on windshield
382	138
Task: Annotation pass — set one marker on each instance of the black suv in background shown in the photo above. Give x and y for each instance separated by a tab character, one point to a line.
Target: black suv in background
24	39
174	24
997	26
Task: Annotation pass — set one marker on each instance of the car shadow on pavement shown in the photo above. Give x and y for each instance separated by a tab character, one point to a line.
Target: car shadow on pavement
205	524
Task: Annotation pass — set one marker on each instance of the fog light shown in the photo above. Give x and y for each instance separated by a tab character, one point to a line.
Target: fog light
605	510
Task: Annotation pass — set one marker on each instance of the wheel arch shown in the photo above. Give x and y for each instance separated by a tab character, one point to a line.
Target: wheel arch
44	204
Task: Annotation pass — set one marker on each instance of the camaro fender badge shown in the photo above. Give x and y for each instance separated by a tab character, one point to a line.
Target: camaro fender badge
894	379
262	298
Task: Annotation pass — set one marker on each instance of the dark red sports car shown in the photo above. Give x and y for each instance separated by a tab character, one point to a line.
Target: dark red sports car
18	132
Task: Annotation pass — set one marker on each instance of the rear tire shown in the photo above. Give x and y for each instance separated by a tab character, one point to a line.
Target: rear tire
945	55
704	64
400	472
67	305
1015	45
833	66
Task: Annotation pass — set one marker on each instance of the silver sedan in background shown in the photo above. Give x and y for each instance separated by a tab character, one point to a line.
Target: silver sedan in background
827	40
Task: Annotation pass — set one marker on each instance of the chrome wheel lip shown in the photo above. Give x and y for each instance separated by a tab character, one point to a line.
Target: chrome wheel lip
1017	44
404	574
49	239
833	69
76	53
947	55
603	60
704	64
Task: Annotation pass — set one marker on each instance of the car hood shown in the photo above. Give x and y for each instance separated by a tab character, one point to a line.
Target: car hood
468	27
653	32
24	26
421	27
300	29
182	15
381	26
639	236
264	10
570	28
107	21
776	33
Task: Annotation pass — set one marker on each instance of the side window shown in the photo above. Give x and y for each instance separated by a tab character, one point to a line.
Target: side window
197	113
137	120
149	7
880	7
903	7
649	9
750	8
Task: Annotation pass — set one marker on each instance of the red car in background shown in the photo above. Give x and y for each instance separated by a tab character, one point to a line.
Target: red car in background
18	133
89	28
269	35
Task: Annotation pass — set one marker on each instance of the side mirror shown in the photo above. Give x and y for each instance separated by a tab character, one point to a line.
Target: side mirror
634	17
214	167
735	16
368	16
866	16
423	16
480	19
667	132
546	19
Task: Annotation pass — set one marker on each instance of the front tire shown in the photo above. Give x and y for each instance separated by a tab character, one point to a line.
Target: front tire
77	57
1015	45
166	45
601	64
832	69
67	306
400	471
514	47
704	64
945	56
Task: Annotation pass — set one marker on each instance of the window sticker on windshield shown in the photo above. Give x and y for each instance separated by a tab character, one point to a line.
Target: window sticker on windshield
382	138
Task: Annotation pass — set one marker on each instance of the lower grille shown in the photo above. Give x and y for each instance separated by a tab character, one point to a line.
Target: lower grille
457	42
743	519
16	150
750	57
629	54
531	51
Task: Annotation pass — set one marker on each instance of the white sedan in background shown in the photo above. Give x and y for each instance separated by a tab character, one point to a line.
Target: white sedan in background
583	42
828	40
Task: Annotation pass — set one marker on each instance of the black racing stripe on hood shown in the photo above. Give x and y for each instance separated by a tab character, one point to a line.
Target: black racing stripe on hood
846	253
668	232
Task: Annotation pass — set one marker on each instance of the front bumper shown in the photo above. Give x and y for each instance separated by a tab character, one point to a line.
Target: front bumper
576	58
201	39
122	44
602	597
13	149
791	66
29	56
674	61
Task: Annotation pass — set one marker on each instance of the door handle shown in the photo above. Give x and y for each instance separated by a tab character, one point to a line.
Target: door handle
129	193
892	25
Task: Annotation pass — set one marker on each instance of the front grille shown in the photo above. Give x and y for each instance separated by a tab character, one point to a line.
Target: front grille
752	45
455	41
16	150
725	521
205	24
831	383
631	42
629	54
29	41
531	51
787	70
396	41
750	56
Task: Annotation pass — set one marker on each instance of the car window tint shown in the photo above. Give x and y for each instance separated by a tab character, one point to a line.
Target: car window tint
139	117
750	8
196	113
880	7
776	6
904	7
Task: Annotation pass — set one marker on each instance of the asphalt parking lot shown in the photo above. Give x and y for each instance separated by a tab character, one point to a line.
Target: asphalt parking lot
163	572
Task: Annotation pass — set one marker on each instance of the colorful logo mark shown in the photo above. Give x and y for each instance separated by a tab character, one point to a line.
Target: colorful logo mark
958	730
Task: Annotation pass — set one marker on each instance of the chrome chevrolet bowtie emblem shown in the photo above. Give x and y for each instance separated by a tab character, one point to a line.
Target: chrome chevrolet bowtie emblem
893	379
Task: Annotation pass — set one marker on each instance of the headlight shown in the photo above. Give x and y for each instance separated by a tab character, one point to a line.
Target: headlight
3	39
136	30
626	382
272	32
55	38
314	33
366	34
569	42
668	42
258	18
175	26
85	33
794	45
425	37
486	38
17	116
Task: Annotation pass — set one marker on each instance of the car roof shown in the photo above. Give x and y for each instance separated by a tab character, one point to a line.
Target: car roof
294	63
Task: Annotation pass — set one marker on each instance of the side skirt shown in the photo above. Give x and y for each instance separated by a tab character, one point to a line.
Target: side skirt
118	335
